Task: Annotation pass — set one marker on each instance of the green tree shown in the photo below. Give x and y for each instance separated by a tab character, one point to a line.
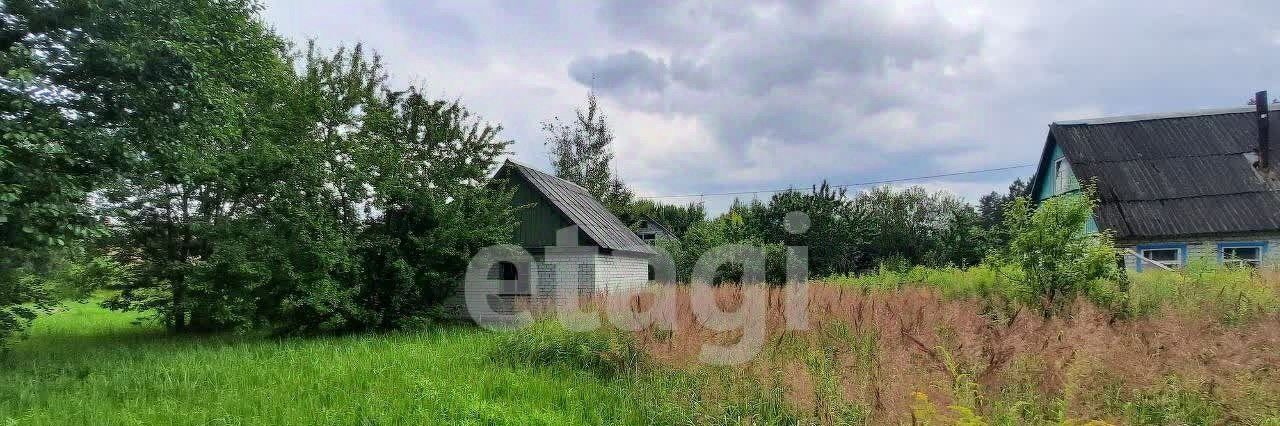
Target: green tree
991	209
907	227
1050	252
835	233
677	218
196	88
53	152
581	152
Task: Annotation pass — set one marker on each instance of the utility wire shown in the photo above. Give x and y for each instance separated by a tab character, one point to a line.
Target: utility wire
847	185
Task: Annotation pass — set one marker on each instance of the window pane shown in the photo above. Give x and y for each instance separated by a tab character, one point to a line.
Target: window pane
1161	255
1242	253
1059	180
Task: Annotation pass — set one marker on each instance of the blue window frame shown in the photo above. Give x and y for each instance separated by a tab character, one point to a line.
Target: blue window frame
1242	252
1173	255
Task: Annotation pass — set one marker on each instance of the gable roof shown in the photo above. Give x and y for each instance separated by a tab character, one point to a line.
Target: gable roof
1172	174
654	223
582	209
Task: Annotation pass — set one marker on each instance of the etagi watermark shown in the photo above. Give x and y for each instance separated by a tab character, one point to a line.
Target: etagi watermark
560	275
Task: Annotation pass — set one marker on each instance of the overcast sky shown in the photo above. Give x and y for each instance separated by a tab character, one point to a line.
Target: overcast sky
737	95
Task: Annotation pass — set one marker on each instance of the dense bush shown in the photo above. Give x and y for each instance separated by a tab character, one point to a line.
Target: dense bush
1052	255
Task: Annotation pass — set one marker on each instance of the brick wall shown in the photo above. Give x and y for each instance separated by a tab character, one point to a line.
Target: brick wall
582	268
595	272
616	273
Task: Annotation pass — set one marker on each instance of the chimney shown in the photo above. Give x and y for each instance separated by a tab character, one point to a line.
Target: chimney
1263	107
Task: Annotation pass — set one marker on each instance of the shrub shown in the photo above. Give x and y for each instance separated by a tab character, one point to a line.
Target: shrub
1051	253
22	298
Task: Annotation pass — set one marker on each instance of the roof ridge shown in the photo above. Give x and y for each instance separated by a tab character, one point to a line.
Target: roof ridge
549	175
1161	116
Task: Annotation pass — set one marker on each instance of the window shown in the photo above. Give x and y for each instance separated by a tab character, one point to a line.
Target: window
511	284
1168	256
1241	254
1060	176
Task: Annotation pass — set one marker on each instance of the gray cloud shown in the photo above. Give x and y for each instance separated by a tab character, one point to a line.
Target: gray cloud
627	70
716	95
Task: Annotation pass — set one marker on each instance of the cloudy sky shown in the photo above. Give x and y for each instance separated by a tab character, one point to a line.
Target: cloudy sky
744	95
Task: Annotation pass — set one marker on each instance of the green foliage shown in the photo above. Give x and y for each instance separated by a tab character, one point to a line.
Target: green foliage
52	154
727	229
991	208
606	352
918	228
1052	255
1174	401
22	298
677	218
836	234
245	185
1230	294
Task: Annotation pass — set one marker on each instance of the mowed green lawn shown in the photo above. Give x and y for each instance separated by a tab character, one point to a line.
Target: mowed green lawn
87	365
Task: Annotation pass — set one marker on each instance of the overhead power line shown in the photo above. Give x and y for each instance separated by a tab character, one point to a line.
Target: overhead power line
847	185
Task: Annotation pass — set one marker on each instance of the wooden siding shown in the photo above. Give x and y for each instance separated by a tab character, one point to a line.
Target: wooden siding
538	220
1205	249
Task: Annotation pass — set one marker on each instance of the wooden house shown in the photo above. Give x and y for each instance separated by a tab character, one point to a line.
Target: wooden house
565	229
650	230
1175	187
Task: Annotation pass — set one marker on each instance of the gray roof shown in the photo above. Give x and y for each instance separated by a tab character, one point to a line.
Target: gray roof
582	209
654	223
1162	175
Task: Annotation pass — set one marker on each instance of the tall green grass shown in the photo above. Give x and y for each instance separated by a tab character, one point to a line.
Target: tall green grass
702	396
1232	294
91	366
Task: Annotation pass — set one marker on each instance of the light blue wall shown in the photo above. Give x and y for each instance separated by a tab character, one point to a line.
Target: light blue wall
1045	189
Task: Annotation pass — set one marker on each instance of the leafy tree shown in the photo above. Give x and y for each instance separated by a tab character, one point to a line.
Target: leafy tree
195	88
907	227
410	198
1051	253
991	209
581	153
52	151
835	232
242	188
962	240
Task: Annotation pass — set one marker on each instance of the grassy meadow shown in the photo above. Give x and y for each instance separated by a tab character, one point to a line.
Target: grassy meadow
923	346
87	365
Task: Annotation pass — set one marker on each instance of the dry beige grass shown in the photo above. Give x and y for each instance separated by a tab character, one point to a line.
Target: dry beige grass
877	353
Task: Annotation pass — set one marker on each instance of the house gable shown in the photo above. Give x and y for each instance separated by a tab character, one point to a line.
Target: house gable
553	203
1166	175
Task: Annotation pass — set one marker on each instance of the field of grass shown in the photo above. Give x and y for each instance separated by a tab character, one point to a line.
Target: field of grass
87	365
923	346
